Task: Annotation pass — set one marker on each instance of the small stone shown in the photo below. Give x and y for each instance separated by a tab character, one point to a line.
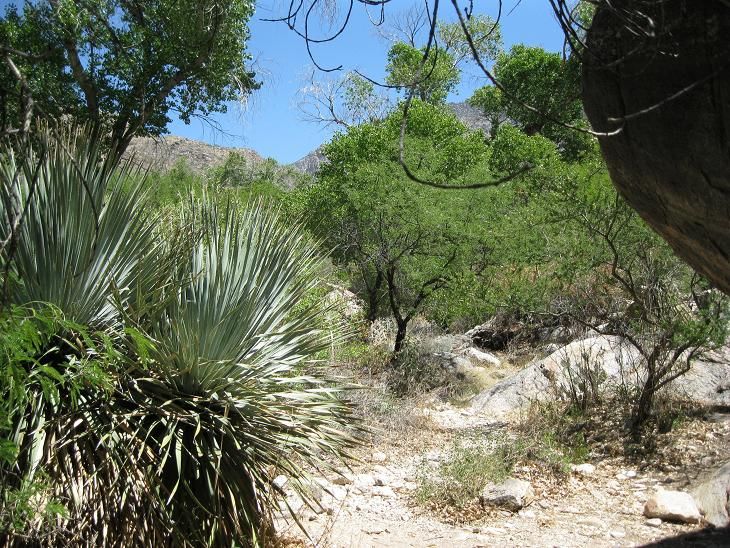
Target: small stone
378	456
673	506
342	480
617	534
381	480
630	474
653	522
527	514
280	481
484	357
363	481
512	494
585	469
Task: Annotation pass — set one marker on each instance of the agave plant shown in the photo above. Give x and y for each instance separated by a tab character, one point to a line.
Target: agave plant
174	377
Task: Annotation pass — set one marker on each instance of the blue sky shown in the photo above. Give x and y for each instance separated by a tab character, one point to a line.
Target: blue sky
272	123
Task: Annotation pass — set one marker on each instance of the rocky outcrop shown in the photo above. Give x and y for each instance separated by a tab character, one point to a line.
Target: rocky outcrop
471	117
612	362
664	73
162	153
310	163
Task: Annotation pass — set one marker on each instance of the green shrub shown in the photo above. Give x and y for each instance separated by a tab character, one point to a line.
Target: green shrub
460	478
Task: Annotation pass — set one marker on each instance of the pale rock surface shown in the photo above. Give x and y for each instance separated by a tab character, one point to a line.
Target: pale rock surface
585	469
712	495
673	506
616	361
483	357
512	494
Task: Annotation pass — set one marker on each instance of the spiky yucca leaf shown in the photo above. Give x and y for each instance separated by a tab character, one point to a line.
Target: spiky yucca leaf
84	230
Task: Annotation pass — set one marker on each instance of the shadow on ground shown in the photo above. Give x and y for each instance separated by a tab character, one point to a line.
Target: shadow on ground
707	538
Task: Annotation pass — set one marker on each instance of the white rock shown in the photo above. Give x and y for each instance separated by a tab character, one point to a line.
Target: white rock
673	506
653	522
280	481
585	469
512	494
386	492
378	456
337	492
484	357
617	534
363	481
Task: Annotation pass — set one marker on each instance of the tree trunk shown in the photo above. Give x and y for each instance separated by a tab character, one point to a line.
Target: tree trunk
400	336
643	408
374	298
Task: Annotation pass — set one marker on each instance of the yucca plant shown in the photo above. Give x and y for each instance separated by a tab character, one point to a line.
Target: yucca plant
176	380
83	229
235	401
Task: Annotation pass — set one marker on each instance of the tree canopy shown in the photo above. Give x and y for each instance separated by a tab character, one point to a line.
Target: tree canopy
125	66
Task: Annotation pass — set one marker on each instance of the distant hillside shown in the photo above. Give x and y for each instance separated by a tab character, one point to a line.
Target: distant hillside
468	115
310	163
162	153
471	117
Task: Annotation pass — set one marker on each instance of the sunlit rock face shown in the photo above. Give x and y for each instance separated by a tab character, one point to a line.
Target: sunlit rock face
672	163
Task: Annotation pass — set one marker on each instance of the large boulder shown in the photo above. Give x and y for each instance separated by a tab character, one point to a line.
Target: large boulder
611	361
712	494
546	379
661	69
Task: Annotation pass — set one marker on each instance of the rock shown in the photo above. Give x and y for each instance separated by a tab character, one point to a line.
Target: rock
617	534
672	506
542	379
670	163
383	491
611	359
364	481
280	481
378	456
512	494
483	357
653	522
585	469
342	479
344	300
712	495
591	522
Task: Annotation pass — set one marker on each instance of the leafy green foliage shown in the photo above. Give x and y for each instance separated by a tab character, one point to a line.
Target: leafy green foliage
431	80
417	241
139	60
485	33
547	83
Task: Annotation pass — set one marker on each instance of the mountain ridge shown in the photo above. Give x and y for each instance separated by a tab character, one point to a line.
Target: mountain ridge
163	153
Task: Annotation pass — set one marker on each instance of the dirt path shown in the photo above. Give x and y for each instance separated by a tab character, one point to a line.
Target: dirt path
375	505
